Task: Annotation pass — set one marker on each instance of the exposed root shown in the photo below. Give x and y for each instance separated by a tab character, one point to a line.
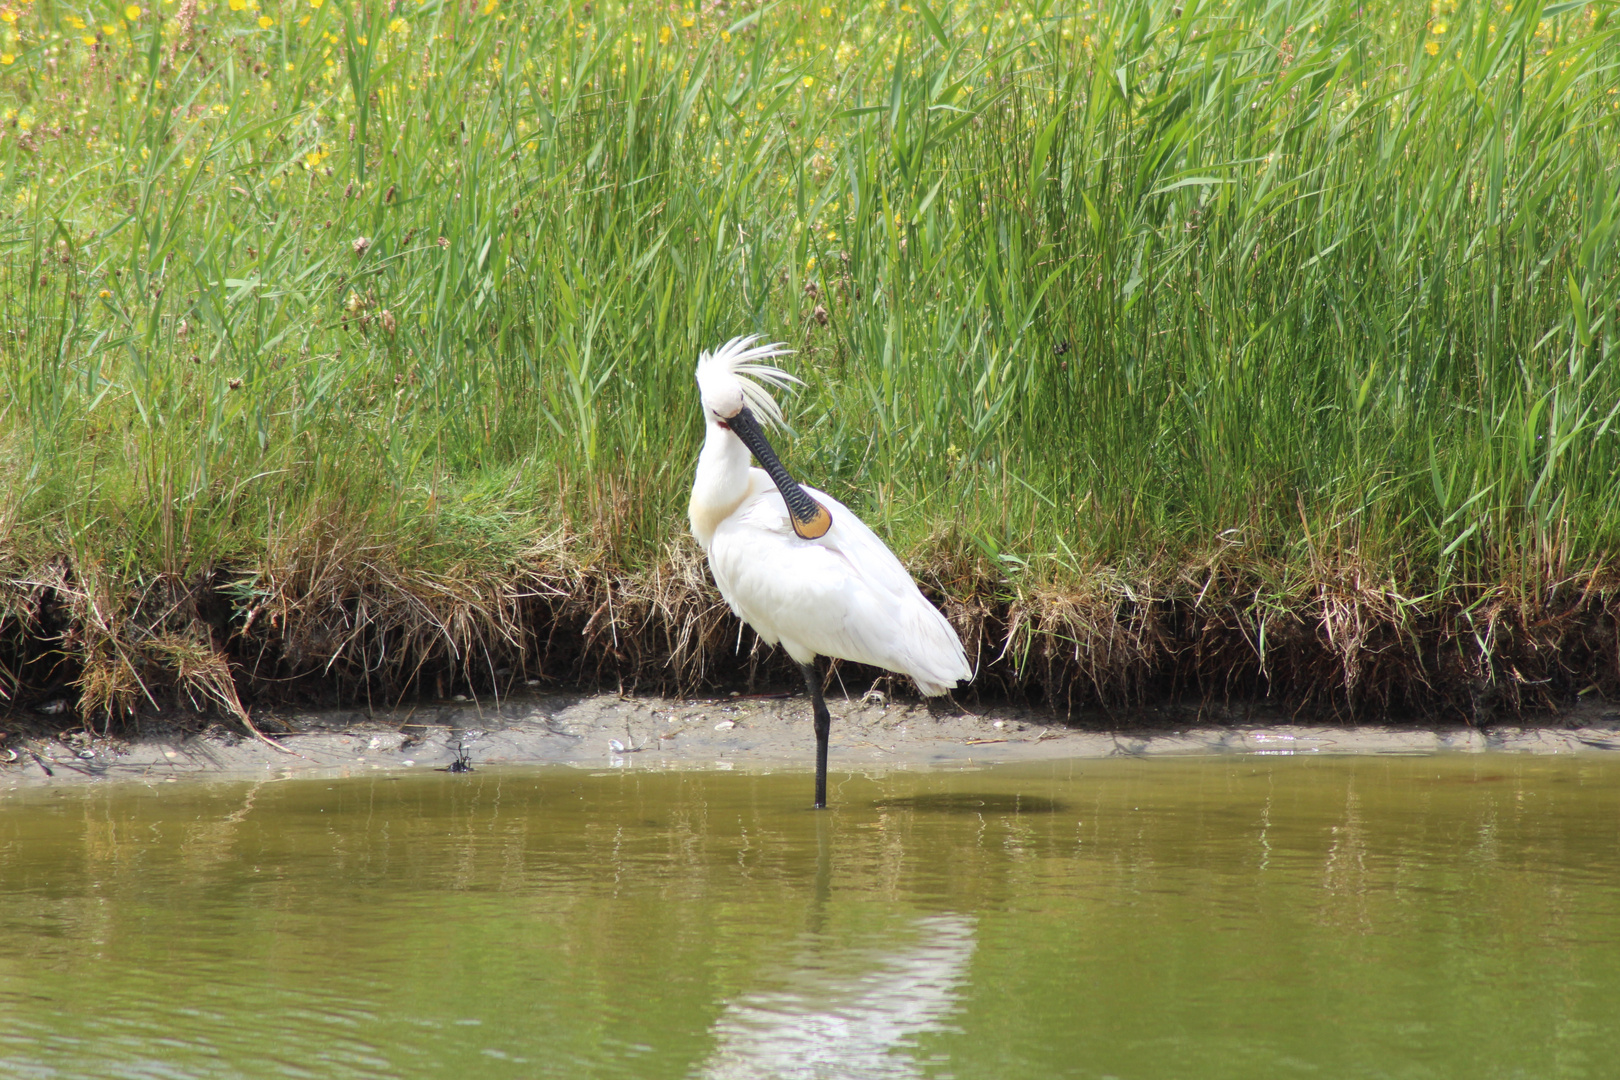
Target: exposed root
199	668
331	620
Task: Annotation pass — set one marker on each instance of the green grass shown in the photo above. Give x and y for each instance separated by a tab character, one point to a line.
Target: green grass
1316	298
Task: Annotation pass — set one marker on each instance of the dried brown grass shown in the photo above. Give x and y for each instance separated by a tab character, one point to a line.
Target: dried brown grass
328	617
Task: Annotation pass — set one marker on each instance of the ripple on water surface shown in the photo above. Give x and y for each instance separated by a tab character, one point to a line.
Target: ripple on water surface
1232	917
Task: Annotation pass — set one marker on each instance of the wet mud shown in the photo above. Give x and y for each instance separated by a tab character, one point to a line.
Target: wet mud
607	731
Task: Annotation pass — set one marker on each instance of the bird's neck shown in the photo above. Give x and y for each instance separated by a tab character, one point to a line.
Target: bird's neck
721	483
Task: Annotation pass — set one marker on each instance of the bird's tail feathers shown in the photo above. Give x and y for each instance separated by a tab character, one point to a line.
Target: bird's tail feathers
937	662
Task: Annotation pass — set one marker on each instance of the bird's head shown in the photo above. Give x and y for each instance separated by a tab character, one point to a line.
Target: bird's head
734	401
726	381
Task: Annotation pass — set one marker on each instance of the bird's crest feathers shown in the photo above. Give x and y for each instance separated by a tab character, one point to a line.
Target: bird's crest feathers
736	363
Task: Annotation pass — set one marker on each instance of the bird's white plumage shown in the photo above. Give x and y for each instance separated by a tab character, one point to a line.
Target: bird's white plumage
843	594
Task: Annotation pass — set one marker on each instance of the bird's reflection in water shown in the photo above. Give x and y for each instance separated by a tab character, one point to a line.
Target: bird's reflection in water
845	1011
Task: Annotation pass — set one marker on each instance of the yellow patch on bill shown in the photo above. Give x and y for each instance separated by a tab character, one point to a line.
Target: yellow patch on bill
816	527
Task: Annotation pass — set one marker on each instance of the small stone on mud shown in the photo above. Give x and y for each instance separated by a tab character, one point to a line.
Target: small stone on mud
725	725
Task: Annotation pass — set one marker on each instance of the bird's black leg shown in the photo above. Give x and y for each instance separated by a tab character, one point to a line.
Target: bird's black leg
823	721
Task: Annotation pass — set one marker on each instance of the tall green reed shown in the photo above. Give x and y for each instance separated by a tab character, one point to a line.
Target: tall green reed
1071	286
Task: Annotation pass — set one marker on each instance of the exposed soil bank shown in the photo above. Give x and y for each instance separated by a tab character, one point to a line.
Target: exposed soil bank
340	626
608	731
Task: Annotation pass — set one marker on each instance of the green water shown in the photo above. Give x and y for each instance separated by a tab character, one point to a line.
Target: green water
1233	917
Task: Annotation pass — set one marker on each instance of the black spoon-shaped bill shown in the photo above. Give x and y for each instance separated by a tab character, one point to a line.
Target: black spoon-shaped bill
809	518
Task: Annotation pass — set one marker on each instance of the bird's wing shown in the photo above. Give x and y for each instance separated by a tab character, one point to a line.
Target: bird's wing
844	594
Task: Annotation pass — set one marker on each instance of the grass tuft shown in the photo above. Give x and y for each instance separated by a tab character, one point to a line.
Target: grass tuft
1181	347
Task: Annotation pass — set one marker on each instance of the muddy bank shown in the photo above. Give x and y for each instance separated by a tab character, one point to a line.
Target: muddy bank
608	731
336	624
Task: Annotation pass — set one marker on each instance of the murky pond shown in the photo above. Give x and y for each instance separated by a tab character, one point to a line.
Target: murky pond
1234	917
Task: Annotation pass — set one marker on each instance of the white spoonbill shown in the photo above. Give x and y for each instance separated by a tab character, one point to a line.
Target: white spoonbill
793	562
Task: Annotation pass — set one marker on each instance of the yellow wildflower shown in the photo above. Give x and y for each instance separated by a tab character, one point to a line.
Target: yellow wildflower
132	13
266	22
1432	48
